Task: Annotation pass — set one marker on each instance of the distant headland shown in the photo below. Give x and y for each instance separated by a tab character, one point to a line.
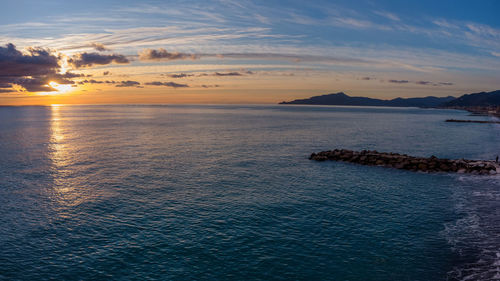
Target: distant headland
479	103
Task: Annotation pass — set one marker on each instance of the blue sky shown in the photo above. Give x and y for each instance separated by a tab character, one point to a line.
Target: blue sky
365	48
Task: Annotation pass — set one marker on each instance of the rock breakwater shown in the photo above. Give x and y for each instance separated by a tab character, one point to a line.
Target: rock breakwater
403	161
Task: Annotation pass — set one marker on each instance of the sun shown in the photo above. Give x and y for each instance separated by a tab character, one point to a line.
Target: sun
61	88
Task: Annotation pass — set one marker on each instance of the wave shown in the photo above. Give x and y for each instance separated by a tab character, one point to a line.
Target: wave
475	237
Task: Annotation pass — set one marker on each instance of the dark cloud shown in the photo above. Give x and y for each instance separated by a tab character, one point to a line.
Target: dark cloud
32	70
162	54
210	86
366	78
167	84
5	85
433	84
233	73
39	84
73	75
90	59
128	83
35	62
106	73
399	81
99	47
180	75
92	81
227	74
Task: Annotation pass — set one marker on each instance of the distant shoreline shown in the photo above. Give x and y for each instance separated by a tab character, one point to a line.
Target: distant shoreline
483	103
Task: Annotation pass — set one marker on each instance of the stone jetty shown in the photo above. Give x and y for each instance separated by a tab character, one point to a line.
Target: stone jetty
403	161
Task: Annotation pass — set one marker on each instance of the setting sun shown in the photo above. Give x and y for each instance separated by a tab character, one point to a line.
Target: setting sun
61	88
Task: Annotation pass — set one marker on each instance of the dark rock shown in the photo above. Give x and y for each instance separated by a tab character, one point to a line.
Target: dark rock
403	161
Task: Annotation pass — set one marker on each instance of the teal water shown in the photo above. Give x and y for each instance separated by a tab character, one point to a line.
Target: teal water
227	193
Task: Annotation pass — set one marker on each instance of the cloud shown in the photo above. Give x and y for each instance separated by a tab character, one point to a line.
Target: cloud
162	54
227	74
73	75
484	30
128	83
387	15
5	85
232	73
167	84
210	86
99	47
399	81
444	23
33	70
91	59
92	81
430	83
106	73
423	82
180	75
35	62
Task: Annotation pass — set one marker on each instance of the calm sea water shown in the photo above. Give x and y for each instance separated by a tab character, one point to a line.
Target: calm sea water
227	193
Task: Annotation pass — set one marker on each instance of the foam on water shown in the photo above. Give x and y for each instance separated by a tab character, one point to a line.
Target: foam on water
475	237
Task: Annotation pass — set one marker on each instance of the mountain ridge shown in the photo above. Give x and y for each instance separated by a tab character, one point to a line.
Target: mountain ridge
468	100
341	98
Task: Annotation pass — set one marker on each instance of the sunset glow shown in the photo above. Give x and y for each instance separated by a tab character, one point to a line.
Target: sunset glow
244	52
227	140
60	88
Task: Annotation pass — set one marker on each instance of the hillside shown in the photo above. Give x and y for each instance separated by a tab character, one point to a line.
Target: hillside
343	99
476	99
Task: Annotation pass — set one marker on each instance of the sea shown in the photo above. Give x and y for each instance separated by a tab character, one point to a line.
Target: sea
227	192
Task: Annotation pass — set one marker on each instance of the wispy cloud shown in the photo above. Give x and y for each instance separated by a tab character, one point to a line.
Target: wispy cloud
387	15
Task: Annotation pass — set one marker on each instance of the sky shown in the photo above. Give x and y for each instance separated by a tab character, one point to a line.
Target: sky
126	52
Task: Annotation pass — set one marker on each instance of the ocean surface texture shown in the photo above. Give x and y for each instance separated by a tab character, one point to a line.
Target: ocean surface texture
227	193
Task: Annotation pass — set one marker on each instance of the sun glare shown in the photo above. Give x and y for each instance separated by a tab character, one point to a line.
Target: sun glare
60	89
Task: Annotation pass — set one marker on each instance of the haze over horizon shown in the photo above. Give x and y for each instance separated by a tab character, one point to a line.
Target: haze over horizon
60	52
